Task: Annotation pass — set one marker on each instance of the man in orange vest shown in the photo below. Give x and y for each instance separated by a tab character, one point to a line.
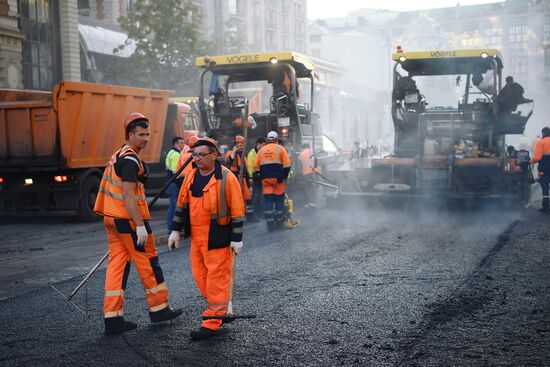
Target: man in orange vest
306	159
211	210
542	157
234	159
274	164
121	201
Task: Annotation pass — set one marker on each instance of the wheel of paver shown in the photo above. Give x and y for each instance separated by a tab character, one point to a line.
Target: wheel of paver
88	194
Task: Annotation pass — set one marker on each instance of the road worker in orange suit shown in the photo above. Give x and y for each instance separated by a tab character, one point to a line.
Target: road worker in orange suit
211	210
542	157
234	159
184	157
121	201
273	163
307	162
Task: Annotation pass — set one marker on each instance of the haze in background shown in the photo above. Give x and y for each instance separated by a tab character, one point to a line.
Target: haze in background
317	9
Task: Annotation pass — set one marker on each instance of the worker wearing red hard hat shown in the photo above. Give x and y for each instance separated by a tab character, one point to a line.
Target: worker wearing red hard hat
121	201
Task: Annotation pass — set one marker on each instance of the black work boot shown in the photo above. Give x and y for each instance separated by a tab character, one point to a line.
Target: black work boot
165	314
203	333
545	205
279	225
116	325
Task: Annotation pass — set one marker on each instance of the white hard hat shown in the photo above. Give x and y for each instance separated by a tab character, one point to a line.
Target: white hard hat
272	135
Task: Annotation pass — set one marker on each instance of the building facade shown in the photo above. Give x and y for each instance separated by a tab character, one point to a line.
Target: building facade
39	43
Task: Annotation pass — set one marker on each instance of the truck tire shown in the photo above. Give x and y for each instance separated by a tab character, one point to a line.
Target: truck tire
88	194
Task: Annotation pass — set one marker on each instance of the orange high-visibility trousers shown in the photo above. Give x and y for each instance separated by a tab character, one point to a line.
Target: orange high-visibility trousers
212	269
121	235
272	186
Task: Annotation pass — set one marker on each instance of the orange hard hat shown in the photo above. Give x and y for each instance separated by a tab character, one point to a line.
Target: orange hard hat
192	140
134	116
239	139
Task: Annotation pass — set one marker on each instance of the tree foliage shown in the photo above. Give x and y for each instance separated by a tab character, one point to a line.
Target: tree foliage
167	38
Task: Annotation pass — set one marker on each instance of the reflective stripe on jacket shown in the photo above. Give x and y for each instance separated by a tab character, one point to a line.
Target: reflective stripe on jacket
235	164
271	161
226	208
109	201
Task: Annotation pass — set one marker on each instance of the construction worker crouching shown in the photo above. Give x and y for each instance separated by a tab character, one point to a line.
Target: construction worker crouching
542	157
210	209
121	201
234	160
274	164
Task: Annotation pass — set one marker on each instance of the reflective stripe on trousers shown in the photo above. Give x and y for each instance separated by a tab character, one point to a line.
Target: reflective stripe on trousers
122	250
211	268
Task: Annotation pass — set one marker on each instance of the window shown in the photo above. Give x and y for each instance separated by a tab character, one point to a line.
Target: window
257	10
547	58
40	66
84	7
270	19
517	32
286	6
297	9
232	7
299	29
547	27
315	38
286	42
271	40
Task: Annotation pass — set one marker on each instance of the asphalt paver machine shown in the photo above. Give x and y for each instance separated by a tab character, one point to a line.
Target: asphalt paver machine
448	150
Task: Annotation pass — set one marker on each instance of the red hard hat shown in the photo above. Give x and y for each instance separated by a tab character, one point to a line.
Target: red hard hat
192	140
134	116
239	139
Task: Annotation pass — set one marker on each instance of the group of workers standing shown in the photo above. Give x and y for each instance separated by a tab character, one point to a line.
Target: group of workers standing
206	202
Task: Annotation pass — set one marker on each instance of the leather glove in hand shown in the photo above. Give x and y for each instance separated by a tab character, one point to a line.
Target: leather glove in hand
142	235
173	240
236	246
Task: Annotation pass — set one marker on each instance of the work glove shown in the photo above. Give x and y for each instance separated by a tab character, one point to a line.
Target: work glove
236	246
173	240
142	235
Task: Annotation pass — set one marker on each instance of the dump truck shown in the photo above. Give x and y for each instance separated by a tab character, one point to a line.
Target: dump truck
443	149
231	83
54	145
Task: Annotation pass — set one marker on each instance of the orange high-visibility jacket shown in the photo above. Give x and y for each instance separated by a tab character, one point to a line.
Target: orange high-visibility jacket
184	157
305	158
542	154
224	194
235	164
109	201
273	162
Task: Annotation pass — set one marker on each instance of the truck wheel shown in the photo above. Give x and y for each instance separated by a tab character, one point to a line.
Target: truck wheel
90	187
